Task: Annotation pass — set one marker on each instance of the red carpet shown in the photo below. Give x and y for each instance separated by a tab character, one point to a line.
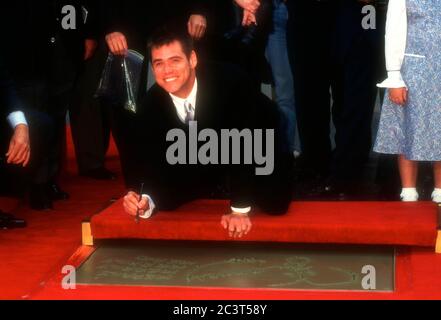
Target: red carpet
31	255
385	223
32	258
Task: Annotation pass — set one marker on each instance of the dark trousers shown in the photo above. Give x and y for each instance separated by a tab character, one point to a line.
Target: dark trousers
309	40
14	179
52	100
354	92
331	54
122	123
90	119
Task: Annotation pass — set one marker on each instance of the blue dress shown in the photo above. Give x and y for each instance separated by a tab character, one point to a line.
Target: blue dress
415	129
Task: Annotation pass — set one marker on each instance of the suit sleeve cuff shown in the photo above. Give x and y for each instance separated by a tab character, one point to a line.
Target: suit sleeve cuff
240	211
15	118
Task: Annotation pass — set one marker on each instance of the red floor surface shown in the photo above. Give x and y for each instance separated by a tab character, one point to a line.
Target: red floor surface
32	258
31	255
383	223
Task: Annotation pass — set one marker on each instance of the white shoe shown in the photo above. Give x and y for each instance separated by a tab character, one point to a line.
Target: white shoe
409	196
436	196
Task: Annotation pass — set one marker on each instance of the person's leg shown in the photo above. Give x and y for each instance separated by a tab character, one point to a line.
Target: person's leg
60	96
387	177
277	56
273	193
408	173
36	98
123	125
436	194
41	131
308	35
437	173
89	131
354	92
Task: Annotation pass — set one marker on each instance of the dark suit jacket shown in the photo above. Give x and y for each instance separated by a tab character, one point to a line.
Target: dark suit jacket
38	46
8	98
136	19
225	100
227	40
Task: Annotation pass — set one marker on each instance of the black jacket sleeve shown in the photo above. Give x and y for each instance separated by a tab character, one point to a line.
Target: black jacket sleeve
9	101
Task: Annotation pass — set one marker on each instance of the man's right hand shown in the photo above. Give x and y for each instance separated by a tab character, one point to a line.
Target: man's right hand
117	43
398	95
19	151
132	204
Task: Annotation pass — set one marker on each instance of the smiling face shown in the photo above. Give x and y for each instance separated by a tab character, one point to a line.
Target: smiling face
173	70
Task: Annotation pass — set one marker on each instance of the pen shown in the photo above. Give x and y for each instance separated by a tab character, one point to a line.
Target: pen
139	200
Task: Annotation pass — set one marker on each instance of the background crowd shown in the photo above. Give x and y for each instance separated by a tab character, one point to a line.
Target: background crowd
322	62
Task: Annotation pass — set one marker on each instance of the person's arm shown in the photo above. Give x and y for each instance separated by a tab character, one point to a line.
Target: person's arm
396	39
19	146
132	204
91	33
197	25
249	5
19	151
111	24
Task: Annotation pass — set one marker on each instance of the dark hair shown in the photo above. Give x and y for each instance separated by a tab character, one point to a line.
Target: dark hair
167	34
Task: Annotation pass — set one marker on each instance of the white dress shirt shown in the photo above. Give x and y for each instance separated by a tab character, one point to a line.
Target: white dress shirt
181	112
179	102
396	39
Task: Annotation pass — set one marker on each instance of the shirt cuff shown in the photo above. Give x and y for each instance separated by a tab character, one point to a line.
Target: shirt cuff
148	213
15	118
240	211
394	80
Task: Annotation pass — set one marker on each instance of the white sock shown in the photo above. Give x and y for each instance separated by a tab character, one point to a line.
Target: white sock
409	194
436	195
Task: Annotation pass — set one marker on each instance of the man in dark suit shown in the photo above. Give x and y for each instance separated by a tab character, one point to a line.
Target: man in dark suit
47	41
237	33
124	25
210	97
333	50
17	146
19	134
14	137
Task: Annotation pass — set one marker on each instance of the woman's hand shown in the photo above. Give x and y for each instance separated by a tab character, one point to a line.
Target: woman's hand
398	95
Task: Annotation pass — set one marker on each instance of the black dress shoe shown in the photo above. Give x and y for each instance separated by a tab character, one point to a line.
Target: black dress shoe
329	191
8	221
55	193
39	198
99	174
334	192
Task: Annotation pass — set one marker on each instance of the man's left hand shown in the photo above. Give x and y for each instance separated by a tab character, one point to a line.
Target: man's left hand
237	225
19	151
